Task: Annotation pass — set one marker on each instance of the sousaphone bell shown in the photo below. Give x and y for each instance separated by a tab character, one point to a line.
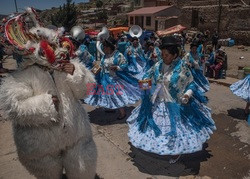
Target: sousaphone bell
135	31
103	35
77	33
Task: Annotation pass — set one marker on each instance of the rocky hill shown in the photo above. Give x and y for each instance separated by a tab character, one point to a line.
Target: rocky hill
87	12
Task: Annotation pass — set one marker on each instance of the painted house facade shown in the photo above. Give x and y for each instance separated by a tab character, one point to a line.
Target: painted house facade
154	18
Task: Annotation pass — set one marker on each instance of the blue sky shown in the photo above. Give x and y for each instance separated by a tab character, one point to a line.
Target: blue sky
8	6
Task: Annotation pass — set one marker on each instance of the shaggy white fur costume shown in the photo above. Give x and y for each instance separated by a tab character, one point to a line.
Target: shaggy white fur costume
48	141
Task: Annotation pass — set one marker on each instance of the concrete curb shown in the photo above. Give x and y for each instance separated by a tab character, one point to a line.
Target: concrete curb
219	82
225	82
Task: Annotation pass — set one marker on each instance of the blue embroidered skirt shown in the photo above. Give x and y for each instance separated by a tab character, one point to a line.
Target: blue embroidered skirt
113	92
136	67
242	88
200	80
174	129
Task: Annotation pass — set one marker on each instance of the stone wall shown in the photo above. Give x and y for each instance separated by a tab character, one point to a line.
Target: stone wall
152	3
169	12
234	19
238	25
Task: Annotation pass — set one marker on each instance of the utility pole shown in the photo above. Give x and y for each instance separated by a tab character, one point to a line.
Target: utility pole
16	5
219	17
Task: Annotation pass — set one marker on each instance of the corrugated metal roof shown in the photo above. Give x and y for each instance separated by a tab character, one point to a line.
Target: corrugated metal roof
148	10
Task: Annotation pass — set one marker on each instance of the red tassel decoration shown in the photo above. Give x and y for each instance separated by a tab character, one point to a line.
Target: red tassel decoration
48	51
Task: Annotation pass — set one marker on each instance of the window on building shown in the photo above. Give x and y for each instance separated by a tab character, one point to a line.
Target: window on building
148	21
131	20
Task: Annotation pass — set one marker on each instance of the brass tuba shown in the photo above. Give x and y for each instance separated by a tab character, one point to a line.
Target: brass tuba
77	33
135	31
103	35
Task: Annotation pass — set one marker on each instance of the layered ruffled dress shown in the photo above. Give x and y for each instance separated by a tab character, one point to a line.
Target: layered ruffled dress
114	89
122	46
196	70
136	61
162	124
85	57
242	88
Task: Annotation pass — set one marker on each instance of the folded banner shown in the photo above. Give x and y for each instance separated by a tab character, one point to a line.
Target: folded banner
118	30
171	30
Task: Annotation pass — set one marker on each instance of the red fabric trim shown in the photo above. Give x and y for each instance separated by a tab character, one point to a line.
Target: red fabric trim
48	51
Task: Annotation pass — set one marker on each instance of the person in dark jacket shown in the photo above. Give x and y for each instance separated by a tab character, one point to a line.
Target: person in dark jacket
215	39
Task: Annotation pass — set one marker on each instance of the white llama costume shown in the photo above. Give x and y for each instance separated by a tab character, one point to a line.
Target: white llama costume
48	140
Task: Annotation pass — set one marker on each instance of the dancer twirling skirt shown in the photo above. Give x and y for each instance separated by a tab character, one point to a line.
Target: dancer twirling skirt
172	118
136	60
242	89
85	57
115	87
193	60
152	56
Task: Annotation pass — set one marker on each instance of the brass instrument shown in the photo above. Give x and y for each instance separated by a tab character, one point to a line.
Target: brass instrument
135	31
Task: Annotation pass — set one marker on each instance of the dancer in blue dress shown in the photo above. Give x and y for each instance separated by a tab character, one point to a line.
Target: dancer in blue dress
242	89
136	60
85	57
115	87
172	118
77	36
152	56
123	44
193	60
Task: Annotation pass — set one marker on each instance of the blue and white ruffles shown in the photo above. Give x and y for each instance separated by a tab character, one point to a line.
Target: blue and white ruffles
179	132
162	124
242	88
113	92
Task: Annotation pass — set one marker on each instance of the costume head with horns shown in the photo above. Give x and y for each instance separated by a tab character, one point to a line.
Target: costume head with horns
36	43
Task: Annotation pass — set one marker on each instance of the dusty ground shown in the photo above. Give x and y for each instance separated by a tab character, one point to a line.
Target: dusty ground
234	60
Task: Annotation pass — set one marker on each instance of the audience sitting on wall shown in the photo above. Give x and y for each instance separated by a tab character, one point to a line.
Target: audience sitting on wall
220	65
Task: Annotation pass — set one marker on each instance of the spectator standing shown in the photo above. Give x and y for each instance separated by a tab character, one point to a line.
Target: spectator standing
215	39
